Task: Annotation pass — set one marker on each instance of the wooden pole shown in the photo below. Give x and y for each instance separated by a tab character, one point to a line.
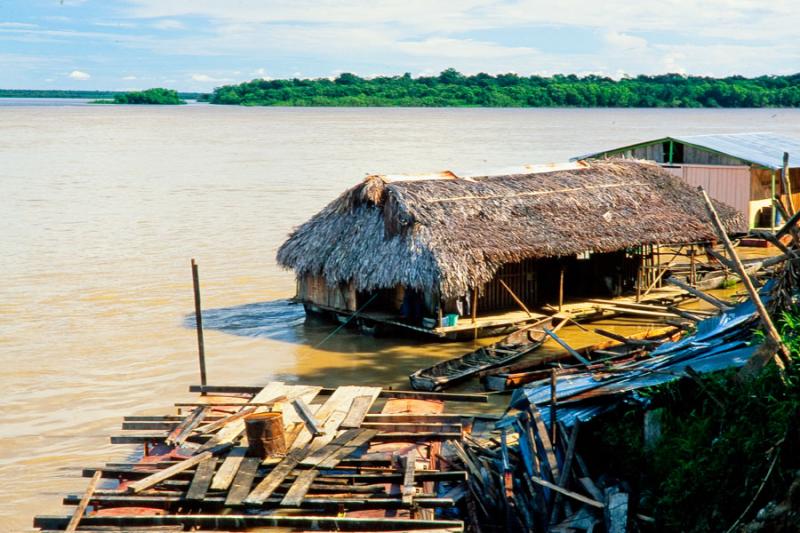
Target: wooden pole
787	183
561	290
84	503
514	296
699	294
639	276
692	268
198	316
475	312
769	327
553	405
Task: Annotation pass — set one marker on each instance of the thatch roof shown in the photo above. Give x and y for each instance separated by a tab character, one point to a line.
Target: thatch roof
453	233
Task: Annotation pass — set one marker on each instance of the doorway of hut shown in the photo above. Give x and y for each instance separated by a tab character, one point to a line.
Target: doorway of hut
539	283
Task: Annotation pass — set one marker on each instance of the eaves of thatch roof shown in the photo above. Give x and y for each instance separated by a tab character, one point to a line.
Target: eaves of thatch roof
451	234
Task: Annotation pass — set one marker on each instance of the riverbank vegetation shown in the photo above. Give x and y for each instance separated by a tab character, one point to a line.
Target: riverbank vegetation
726	452
156	96
451	88
48	93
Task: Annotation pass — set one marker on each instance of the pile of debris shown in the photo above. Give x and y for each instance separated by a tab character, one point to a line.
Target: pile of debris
294	456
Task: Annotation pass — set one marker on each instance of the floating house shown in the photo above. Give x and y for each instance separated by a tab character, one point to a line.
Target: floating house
744	170
445	254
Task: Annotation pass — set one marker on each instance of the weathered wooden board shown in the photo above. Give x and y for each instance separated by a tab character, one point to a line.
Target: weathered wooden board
240	487
294	496
202	479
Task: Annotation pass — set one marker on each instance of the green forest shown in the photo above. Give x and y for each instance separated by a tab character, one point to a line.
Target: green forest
452	88
156	96
55	93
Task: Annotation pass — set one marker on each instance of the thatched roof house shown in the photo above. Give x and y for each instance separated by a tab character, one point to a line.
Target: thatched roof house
444	235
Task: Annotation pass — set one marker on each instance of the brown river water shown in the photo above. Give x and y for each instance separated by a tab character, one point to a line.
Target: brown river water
102	208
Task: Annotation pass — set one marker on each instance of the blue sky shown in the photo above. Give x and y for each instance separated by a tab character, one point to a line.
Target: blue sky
200	44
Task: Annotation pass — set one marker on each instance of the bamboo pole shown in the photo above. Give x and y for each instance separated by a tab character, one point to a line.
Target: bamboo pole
198	316
561	290
769	327
514	296
475	312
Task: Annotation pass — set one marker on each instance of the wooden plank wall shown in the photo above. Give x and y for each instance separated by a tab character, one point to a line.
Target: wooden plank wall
520	277
314	289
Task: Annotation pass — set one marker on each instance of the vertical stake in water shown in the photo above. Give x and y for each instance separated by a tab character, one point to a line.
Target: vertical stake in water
198	317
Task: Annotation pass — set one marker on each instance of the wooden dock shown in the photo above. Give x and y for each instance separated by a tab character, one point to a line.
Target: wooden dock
367	460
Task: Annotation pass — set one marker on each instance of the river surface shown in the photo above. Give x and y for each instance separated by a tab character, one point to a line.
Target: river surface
102	208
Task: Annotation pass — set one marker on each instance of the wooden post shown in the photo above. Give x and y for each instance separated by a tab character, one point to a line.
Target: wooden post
769	327
84	503
553	406
787	183
692	268
561	290
514	296
772	211
475	311
639	276
198	316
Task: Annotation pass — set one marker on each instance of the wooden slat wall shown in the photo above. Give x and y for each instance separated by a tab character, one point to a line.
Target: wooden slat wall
520	277
314	289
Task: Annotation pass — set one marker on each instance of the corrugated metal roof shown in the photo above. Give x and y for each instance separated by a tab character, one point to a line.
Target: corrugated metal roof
761	148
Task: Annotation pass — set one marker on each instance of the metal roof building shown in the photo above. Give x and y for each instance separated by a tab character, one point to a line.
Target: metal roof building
745	170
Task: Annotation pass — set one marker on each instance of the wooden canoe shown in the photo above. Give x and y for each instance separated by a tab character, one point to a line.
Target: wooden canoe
510	377
507	350
719	279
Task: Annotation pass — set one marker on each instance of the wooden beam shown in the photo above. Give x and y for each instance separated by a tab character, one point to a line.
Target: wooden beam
75	520
167	473
566	346
700	294
385	393
769	327
409	487
202	479
302	483
307	417
243	481
236	521
515	297
271	482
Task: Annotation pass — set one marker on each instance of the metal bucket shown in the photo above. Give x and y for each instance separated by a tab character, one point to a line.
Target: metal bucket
265	434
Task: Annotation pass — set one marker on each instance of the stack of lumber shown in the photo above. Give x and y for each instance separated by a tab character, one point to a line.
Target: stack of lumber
357	458
520	479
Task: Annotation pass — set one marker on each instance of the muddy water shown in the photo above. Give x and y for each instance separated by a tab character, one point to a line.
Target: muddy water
101	209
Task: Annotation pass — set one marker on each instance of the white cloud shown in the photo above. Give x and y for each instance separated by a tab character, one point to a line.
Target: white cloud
205	78
168	24
79	75
624	40
129	78
17	25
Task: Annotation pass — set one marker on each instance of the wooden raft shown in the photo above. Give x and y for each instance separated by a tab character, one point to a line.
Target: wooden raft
347	467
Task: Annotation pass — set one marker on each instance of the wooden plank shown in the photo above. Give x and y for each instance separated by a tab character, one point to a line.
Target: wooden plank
409	487
240	487
544	438
307	417
568	493
401	427
179	434
167	473
294	496
700	294
358	411
222	422
74	522
238	521
271	482
222	480
566	346
332	414
202	479
362	438
400	394
319	455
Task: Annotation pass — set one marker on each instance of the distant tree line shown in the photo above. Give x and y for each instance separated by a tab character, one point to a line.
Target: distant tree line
48	93
451	88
